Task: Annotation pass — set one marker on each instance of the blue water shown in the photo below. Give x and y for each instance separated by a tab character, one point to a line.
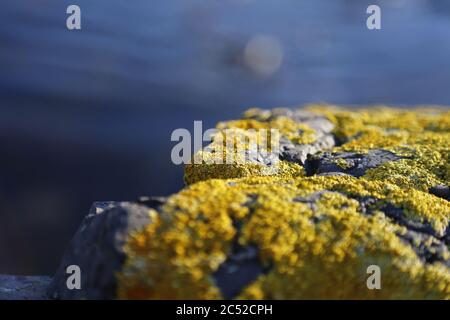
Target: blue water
87	115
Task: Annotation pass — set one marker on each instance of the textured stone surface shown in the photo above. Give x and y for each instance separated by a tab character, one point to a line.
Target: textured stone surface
241	268
307	237
97	248
295	152
302	133
348	189
349	162
441	191
23	287
352	188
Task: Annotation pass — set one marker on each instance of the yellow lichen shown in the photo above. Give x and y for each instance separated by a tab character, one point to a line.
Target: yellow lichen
422	135
175	257
228	156
351	122
294	131
343	164
200	172
312	248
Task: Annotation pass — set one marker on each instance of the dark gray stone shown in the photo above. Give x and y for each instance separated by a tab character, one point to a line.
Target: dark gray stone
428	248
399	217
356	164
243	264
242	267
97	248
100	206
441	191
368	204
23	287
420	235
152	202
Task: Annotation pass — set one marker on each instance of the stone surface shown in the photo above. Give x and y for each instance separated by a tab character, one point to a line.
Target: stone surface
302	133
441	191
277	238
241	268
351	163
294	152
348	189
371	189
97	248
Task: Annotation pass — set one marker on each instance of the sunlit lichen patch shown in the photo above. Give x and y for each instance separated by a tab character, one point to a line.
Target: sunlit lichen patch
200	172
313	218
351	122
295	131
315	250
241	150
254	145
421	136
418	205
343	164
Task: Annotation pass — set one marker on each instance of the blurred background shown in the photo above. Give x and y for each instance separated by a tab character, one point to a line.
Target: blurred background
87	115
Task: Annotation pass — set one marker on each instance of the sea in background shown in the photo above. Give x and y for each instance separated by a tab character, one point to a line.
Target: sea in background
87	115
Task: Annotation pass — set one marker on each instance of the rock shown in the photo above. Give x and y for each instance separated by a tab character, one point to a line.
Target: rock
271	238
365	202
350	162
430	249
97	248
295	152
298	153
23	287
302	133
241	268
441	191
348	189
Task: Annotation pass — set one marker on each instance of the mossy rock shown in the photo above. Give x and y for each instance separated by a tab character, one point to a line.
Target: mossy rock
309	238
351	189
